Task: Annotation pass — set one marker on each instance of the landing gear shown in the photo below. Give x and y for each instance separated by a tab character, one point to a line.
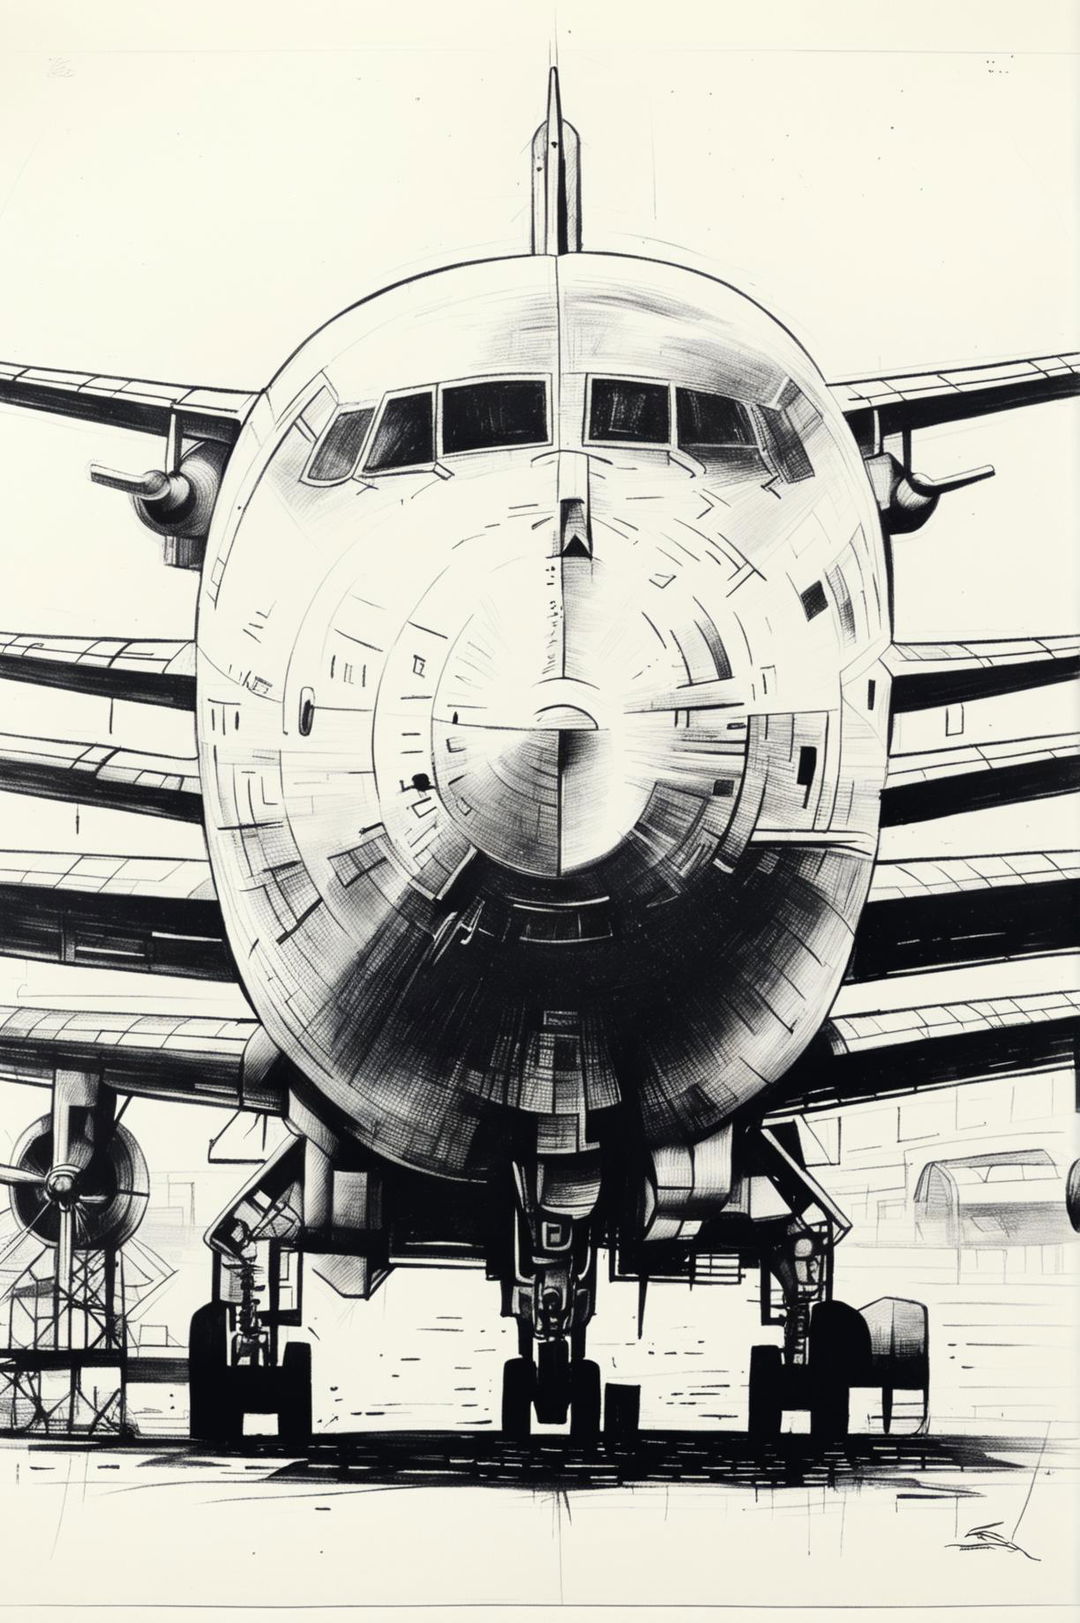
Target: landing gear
829	1348
236	1364
766	1406
224	1393
549	1287
519	1379
585	1401
881	1346
576	1395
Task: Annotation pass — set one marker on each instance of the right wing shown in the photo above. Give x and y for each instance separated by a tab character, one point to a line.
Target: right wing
195	1059
134	403
154	915
101	775
146	670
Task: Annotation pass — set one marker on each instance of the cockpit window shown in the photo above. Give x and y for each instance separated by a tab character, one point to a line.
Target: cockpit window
338	452
709	421
719	432
481	416
405	435
782	438
625	410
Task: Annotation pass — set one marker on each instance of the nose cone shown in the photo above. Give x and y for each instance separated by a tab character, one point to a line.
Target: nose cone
545	794
551	724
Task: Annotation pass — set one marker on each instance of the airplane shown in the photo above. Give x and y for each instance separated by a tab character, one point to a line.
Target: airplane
544	683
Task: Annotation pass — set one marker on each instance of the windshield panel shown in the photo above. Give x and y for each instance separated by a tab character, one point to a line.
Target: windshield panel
784	445
709	420
338	451
405	436
483	416
624	410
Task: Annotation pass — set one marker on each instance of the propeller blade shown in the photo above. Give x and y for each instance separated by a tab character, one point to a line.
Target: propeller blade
65	1254
9	1174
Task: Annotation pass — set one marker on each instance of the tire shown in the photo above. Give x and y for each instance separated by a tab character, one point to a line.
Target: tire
551	1394
622	1412
840	1358
765	1408
294	1412
830	1404
585	1400
517	1394
1072	1195
213	1416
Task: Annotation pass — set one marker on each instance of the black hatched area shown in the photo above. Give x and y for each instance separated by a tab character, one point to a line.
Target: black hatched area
731	1459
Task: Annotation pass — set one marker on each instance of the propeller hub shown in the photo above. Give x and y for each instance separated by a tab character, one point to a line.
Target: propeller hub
61	1185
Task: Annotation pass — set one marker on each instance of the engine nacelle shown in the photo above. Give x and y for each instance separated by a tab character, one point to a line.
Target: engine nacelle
107	1185
907	499
177	505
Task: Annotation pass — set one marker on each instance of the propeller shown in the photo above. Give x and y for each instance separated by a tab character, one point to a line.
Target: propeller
906	498
178	500
60	1186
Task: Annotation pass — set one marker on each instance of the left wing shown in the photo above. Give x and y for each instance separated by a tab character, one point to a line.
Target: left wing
928	674
880	406
881	1054
963	777
932	914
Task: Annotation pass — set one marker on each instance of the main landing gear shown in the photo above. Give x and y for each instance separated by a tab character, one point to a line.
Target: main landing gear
237	1367
829	1349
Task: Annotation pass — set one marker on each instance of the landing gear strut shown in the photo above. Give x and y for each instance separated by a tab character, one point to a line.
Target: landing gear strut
551	1293
237	1366
830	1348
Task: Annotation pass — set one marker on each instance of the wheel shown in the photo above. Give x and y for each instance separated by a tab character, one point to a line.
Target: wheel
765	1406
585	1400
900	1354
517	1395
830	1405
622	1411
294	1412
840	1358
552	1390
1072	1195
213	1415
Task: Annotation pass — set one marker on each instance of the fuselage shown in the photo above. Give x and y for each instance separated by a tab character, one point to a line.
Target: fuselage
542	718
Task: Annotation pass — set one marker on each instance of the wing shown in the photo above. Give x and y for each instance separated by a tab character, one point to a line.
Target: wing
101	775
956	911
877	407
197	1059
923	784
157	915
928	674
136	403
960	770
881	1054
147	671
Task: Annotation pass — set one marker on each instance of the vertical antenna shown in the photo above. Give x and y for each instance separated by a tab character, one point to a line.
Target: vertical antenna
556	181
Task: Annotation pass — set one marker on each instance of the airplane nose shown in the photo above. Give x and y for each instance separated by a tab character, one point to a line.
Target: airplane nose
540	759
546	797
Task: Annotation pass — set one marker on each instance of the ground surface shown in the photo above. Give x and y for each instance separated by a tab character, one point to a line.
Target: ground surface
424	1519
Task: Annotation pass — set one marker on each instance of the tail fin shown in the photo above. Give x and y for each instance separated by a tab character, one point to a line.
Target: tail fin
556	167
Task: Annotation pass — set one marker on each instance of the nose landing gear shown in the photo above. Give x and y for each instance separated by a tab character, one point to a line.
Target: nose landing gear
552	1295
